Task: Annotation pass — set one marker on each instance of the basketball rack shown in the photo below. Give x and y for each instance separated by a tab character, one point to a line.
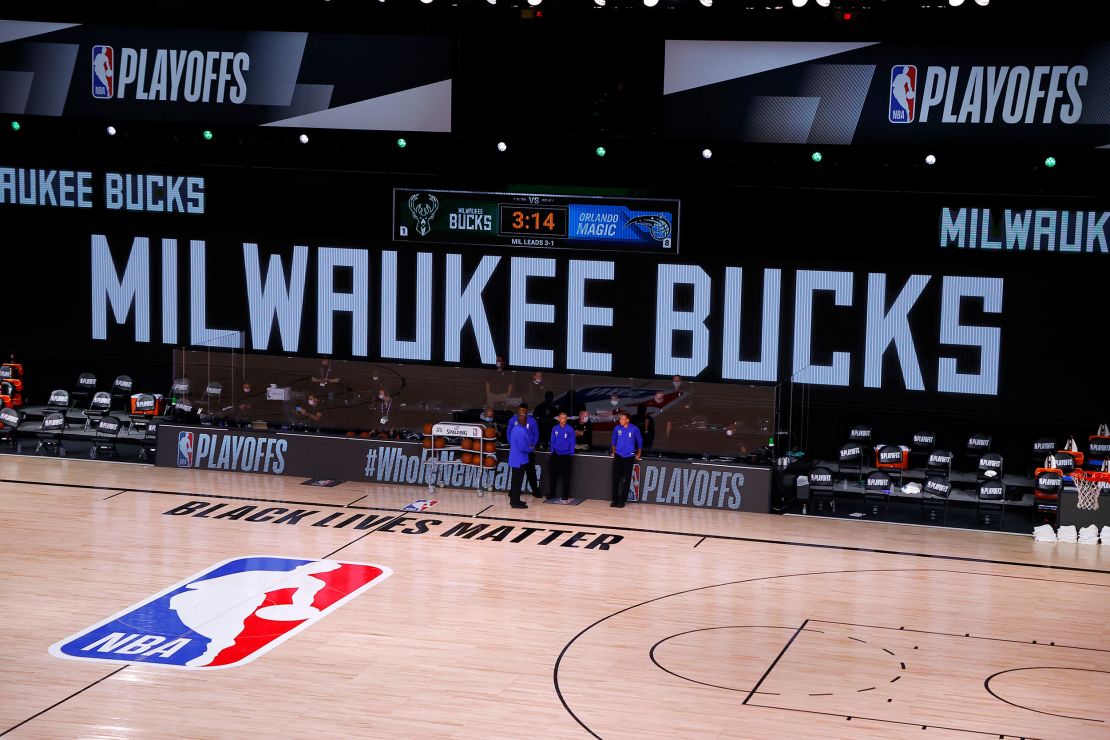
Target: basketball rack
1089	484
471	445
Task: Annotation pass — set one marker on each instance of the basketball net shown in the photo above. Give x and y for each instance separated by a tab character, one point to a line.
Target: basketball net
1089	484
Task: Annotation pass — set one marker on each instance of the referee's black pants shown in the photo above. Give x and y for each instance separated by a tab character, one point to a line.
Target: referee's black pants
622	477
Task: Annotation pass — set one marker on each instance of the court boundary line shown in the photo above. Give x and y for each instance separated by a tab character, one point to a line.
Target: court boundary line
600	525
62	701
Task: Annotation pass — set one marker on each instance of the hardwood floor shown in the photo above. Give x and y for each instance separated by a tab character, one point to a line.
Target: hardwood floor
550	622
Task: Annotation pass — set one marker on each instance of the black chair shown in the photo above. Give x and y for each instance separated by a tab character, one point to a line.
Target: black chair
923	443
991	500
180	387
821	489
1042	448
940	461
889	457
934	497
58	403
143	412
1062	461
213	397
10	419
876	492
148	447
850	459
861	434
989	468
98	408
50	434
121	393
977	444
86	387
106	438
1047	485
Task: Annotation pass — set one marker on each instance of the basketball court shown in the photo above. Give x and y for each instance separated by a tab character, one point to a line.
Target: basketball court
554	622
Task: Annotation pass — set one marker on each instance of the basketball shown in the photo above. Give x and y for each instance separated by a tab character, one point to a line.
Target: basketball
428	428
467	458
490	447
467	444
490	462
440	443
489	432
427	443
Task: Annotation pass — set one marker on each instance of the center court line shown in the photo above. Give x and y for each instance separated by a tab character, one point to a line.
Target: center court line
114	495
75	693
775	662
614	527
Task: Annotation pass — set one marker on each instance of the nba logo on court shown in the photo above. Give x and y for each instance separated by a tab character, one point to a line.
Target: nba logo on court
185	446
103	72
903	93
225	615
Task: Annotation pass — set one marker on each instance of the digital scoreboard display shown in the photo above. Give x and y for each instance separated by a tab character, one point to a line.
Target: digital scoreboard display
597	223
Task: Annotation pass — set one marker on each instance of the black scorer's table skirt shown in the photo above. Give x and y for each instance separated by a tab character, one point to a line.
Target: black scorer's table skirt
668	482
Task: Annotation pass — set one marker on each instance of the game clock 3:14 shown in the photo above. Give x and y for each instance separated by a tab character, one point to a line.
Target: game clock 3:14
538	220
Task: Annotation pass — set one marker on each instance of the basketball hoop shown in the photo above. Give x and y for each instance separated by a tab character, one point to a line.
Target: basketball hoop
1089	483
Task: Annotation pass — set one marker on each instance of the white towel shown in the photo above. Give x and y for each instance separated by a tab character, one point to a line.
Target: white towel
1106	535
1067	534
1044	533
1088	535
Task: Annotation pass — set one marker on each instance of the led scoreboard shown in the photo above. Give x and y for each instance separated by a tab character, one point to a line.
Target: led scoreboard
535	220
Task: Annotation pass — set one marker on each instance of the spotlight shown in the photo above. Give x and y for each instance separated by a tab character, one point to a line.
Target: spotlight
492	2
955	3
303	138
982	3
600	151
707	3
599	3
1050	162
798	3
16	126
930	159
502	146
706	153
534	3
816	156
207	134
401	143
651	3
111	130
426	2
824	3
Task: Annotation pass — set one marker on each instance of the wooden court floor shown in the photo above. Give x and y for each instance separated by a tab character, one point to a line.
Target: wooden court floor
550	622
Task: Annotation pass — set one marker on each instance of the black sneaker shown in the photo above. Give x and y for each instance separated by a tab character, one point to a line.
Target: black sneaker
518	504
620	504
613	504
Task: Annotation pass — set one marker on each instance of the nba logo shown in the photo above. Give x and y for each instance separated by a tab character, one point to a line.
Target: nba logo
903	93
185	449
103	72
634	485
224	616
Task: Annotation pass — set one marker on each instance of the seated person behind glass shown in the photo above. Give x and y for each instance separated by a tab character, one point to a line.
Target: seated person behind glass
310	410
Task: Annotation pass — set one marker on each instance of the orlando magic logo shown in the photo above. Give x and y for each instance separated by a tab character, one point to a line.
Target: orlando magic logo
423	207
658	226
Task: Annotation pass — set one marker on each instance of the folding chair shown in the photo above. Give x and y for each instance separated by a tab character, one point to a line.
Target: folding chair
821	489
142	411
989	468
149	445
876	492
58	403
861	435
86	387
10	419
180	388
923	443
121	393
934	497
1063	461
50	435
1047	484
991	499
213	395
892	458
940	461
106	438
977	444
850	458
98	408
1042	448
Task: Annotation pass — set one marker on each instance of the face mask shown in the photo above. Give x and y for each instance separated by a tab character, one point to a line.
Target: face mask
614	401
583	418
659	398
729	432
677	384
246	389
312	402
499	366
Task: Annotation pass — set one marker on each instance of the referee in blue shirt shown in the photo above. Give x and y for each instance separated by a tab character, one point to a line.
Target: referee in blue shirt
522	434
562	455
627	445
